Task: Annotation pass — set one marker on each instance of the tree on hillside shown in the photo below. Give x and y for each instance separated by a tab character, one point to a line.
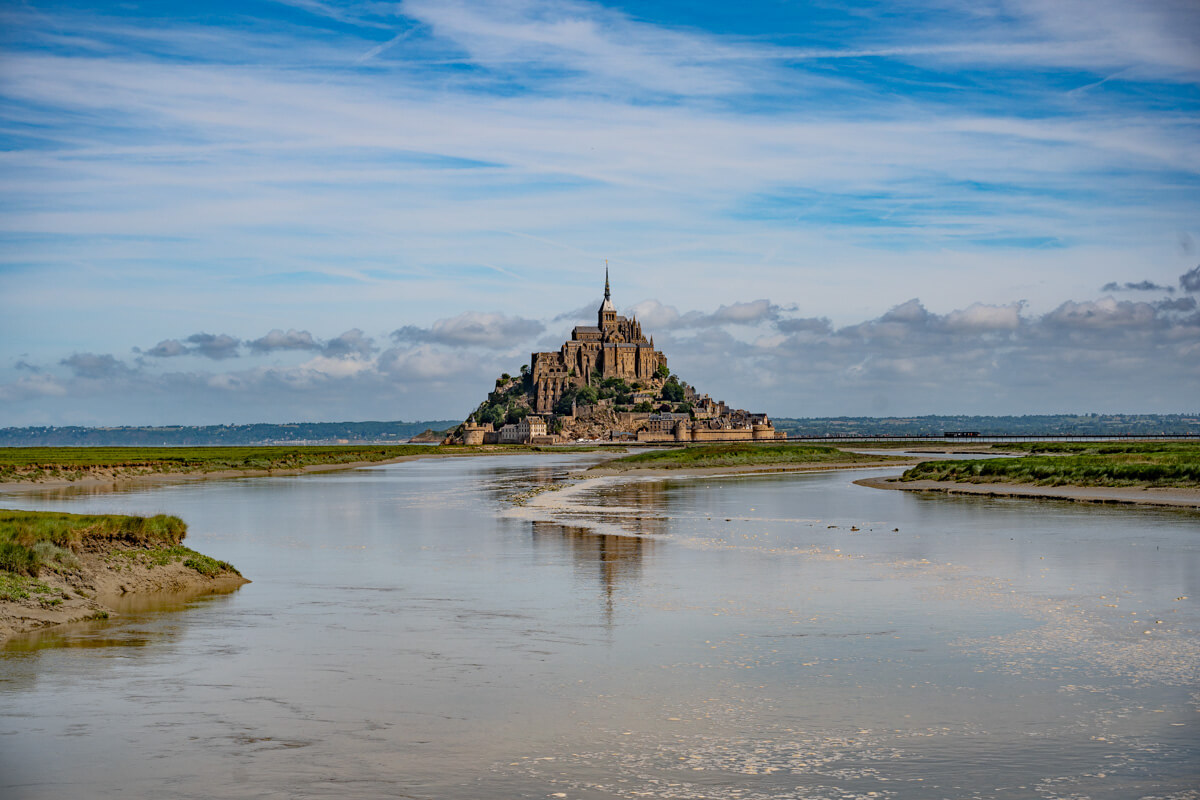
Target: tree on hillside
673	390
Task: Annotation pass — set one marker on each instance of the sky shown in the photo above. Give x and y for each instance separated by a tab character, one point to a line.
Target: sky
286	210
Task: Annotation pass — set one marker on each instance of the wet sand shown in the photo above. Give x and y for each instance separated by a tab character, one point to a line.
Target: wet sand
1181	497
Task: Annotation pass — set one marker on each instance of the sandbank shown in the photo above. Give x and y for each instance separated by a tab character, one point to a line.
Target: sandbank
741	469
1132	495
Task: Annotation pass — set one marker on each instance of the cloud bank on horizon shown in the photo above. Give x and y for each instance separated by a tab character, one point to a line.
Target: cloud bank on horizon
318	210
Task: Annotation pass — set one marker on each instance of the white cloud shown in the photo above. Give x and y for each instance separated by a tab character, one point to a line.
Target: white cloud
351	343
1102	314
425	363
337	367
982	317
33	386
473	328
276	339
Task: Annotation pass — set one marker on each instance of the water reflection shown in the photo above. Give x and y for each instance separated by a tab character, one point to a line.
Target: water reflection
612	561
772	637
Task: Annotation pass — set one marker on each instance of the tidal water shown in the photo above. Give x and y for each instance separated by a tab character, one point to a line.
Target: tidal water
409	633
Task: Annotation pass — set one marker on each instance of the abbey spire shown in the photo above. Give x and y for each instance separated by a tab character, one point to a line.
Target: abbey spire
607	316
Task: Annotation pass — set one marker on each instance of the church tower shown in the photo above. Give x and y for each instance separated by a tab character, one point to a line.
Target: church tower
608	313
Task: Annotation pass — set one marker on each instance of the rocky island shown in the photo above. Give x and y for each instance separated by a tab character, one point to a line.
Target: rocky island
607	382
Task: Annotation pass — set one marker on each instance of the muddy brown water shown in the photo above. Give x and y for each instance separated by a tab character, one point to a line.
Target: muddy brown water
788	636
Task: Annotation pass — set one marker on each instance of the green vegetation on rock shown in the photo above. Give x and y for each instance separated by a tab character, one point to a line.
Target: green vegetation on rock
738	455
1148	464
507	403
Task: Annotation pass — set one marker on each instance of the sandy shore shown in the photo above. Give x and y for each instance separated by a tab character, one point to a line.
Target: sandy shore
1186	498
568	503
105	579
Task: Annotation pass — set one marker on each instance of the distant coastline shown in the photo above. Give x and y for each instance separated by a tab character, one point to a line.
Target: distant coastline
395	432
253	434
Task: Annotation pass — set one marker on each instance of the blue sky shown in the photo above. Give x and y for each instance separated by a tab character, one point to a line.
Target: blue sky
267	211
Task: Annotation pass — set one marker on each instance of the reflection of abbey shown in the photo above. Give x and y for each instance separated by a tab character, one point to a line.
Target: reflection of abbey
614	348
606	382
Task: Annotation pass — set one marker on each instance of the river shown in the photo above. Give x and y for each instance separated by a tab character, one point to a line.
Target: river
408	633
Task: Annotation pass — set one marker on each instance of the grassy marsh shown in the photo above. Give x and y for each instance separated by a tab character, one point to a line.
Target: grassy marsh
1148	464
739	455
33	541
35	464
72	463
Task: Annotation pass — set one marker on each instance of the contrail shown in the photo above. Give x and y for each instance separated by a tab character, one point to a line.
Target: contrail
377	49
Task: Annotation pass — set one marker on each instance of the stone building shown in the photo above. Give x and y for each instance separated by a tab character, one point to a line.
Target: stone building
651	406
475	433
614	348
529	430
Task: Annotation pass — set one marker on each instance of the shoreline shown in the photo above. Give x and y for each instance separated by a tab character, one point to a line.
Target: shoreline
110	478
106	580
102	478
1176	497
560	505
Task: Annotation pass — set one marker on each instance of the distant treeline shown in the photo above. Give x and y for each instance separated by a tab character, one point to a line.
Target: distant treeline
1033	424
202	435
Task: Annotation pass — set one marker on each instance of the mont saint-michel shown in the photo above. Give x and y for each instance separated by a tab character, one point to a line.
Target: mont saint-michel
608	381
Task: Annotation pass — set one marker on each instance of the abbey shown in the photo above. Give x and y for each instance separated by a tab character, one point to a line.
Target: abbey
614	348
607	382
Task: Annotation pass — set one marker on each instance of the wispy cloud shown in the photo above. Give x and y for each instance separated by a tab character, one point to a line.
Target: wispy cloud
384	167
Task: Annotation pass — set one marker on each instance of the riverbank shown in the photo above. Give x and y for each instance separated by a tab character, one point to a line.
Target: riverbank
60	568
1145	496
116	473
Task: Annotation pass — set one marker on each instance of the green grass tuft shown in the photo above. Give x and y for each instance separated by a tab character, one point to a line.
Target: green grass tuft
20	587
161	556
209	567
